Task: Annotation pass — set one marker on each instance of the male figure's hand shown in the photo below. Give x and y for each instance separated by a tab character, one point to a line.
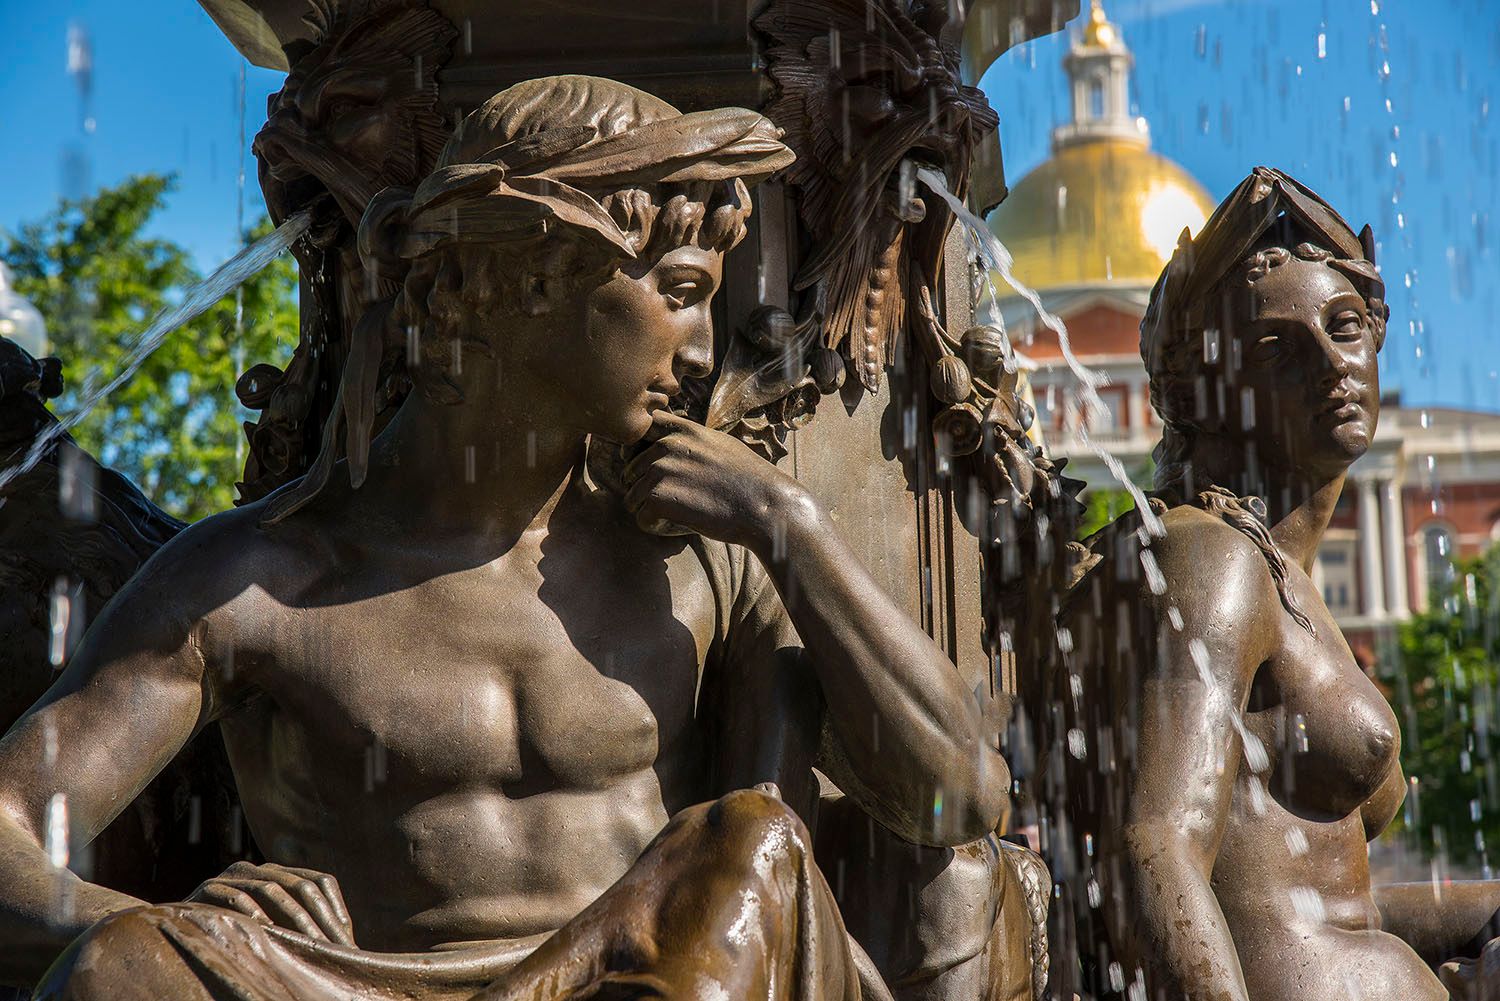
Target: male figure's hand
692	478
301	900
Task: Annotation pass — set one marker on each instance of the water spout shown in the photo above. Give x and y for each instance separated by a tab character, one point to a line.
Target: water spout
229	276
996	258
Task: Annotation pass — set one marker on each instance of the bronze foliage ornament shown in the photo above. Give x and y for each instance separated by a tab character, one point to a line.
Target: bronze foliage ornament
358	112
866	92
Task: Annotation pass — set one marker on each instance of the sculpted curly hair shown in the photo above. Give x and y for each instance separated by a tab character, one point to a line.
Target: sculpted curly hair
655	219
558	179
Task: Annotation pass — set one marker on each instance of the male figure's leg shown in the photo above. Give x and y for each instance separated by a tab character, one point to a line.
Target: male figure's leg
941	924
725	903
199	952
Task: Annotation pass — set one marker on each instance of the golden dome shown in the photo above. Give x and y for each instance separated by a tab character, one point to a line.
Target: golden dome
1103	211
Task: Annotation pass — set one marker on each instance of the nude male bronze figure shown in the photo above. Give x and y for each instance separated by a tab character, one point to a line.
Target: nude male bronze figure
478	716
1219	756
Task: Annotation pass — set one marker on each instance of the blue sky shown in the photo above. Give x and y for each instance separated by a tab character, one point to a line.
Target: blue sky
1226	84
1229	84
165	98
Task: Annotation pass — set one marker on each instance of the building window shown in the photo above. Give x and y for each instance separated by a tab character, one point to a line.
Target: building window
1048	401
1096	99
1116	415
1336	566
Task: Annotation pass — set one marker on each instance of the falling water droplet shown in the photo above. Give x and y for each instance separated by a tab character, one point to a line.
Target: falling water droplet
62	612
56	840
1154	579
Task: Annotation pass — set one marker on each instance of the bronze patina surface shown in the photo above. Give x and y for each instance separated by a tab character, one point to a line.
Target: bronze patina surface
358	112
1217	758
72	533
478	706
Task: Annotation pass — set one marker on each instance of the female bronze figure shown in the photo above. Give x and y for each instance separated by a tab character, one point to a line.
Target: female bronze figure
1222	758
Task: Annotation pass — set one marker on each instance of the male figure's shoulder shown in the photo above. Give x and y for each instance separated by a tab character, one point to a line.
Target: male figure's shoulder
214	579
752	619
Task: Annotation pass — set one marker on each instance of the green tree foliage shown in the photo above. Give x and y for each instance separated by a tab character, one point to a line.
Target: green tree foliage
1443	683
97	278
1103	504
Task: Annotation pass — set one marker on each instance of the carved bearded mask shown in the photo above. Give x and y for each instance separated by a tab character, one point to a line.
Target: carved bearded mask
358	111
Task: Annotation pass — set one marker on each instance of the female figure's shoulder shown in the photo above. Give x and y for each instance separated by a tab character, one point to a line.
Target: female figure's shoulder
1222	558
1191	564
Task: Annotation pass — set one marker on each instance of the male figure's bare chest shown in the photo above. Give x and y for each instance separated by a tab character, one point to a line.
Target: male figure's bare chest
497	674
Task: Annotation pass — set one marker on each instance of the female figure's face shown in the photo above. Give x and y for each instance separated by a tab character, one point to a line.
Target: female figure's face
1302	383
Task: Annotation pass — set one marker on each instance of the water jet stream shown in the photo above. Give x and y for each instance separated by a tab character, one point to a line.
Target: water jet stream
195	302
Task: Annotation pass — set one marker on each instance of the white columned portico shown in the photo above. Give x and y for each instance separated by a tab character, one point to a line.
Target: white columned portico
1371	576
1393	525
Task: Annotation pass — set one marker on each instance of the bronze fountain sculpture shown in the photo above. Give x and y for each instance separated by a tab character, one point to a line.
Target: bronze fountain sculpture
1217	759
708	747
559	265
977	913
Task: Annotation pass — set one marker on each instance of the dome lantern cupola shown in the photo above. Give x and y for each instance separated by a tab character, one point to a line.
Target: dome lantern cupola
1098	69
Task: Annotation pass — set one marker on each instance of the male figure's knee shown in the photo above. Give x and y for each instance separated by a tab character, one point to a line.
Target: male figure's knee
758	828
118	958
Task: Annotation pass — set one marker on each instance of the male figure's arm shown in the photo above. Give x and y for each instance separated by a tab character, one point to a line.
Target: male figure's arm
906	724
130	698
142	683
760	694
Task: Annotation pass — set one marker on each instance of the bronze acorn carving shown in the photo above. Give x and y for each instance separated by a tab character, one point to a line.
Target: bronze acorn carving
960	428
771	329
828	370
984	349
255	387
951	381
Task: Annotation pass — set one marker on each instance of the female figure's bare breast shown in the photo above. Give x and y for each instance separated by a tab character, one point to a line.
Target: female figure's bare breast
1292	872
489	756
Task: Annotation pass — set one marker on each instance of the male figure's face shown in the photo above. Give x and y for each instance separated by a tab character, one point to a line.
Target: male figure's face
642	331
